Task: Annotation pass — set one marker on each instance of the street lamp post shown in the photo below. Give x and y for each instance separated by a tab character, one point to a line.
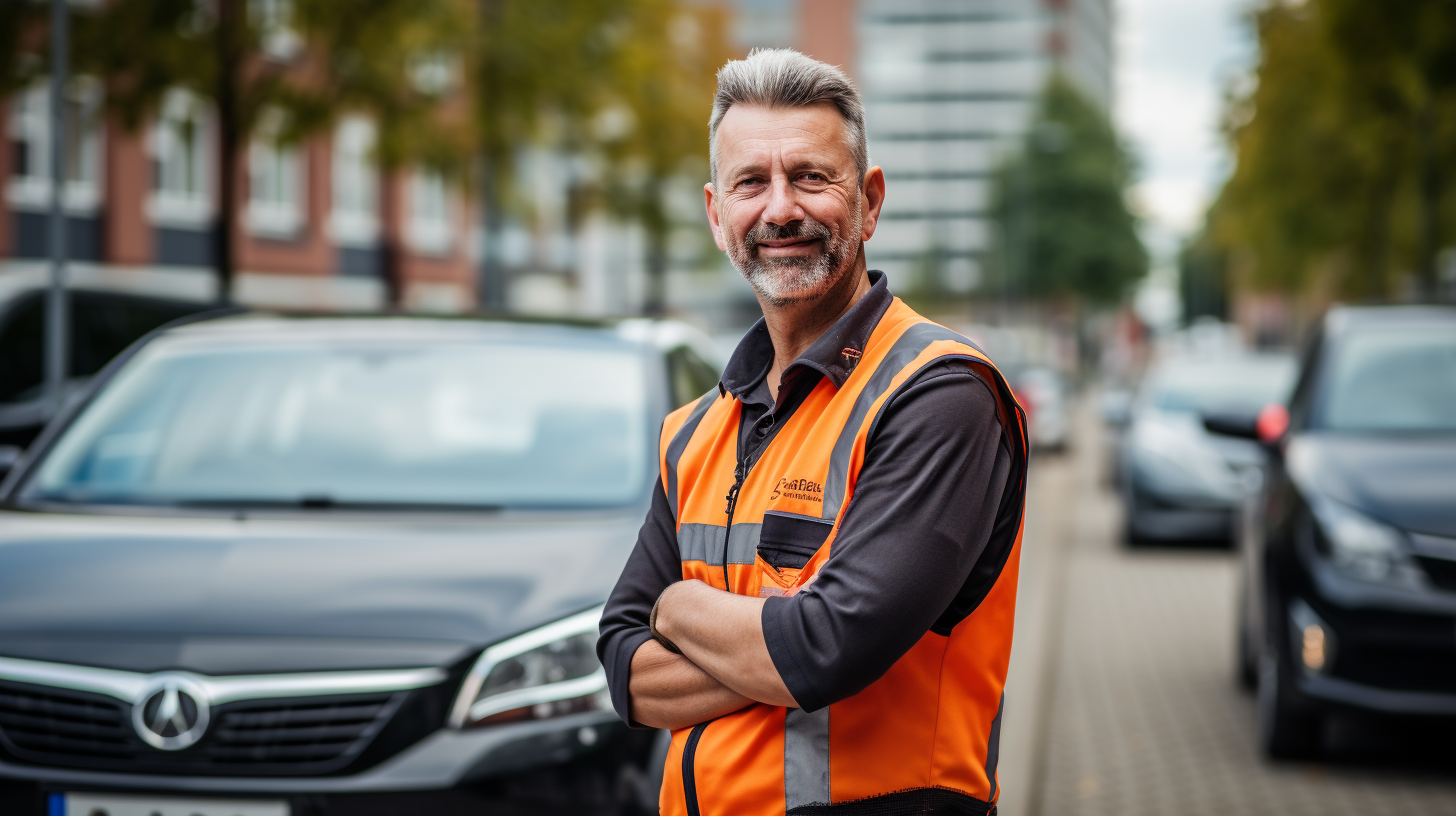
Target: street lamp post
56	311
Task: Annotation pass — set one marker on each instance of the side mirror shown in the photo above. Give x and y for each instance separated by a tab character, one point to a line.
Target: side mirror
1242	426
1116	408
9	458
1267	426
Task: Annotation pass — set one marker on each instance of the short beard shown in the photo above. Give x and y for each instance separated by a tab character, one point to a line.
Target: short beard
785	281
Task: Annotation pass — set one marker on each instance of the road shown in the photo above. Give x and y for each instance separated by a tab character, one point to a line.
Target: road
1121	696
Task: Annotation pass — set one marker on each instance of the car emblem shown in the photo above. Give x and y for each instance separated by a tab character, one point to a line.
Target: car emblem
173	713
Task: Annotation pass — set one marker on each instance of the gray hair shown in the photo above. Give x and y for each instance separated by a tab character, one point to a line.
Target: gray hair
784	78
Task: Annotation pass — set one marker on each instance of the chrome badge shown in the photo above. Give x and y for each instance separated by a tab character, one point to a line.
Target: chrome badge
173	713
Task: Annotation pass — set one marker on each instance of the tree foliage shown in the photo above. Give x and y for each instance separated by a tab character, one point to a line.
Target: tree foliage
302	63
1344	147
627	82
1065	229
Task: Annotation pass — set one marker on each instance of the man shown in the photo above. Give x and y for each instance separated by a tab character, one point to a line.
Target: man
820	603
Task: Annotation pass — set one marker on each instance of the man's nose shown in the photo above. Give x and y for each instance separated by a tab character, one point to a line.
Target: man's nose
783	203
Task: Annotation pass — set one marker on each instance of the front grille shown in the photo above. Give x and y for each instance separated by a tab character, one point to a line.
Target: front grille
312	735
57	722
1441	571
307	732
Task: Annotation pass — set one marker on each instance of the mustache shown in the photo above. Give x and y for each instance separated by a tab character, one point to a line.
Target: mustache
782	232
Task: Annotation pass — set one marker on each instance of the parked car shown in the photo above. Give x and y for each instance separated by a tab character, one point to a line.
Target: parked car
1349	556
1043	392
1179	482
102	324
309	566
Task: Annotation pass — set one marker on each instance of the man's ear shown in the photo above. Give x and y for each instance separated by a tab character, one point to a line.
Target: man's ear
871	201
708	193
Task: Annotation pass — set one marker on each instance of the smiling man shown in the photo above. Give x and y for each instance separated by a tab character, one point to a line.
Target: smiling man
819	605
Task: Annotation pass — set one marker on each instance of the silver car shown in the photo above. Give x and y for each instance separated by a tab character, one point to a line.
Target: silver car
1178	480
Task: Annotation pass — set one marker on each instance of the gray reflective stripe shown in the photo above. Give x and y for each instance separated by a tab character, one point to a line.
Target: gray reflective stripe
680	442
993	747
906	349
704	542
806	758
743	543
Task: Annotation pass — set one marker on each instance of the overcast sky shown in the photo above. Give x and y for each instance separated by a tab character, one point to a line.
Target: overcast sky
1174	60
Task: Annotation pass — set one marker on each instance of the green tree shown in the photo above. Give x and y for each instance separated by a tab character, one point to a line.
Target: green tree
1065	229
304	62
1344	147
627	81
20	22
664	79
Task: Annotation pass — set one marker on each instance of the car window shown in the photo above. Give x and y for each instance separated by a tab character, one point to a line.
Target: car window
1392	378
480	424
691	376
1235	384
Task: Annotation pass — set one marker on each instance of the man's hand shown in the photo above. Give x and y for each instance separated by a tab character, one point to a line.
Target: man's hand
721	633
669	691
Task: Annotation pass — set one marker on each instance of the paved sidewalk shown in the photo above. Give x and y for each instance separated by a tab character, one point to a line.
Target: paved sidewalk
1123	699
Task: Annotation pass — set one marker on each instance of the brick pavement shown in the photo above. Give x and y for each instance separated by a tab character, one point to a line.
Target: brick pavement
1144	716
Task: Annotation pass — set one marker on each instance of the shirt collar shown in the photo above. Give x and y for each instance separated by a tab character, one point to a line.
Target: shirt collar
833	355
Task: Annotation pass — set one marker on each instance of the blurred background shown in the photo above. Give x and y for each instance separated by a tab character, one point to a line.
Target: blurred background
1141	209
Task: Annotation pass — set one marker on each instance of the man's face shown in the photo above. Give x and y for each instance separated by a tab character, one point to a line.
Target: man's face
788	206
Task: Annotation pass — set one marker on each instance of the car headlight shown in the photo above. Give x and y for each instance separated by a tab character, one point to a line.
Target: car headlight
546	672
1359	545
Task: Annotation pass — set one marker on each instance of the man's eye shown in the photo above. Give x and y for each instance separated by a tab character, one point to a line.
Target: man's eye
750	182
813	177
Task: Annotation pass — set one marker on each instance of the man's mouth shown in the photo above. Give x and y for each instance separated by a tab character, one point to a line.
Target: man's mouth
787	246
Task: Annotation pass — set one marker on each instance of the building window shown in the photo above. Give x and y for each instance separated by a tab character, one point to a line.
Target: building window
30	147
355	217
274	21
276	183
430	230
181	172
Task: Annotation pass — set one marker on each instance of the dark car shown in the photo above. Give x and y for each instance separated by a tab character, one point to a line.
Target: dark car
280	565
1349	598
1180	482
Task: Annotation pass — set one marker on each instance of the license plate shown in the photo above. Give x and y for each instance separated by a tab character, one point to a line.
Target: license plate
121	804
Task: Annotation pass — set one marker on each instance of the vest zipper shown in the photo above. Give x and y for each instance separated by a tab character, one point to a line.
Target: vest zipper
690	782
740	473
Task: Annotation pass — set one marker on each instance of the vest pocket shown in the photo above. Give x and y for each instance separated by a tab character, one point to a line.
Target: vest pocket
788	541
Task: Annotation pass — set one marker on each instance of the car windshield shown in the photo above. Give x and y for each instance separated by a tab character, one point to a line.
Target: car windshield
1241	384
1392	378
482	424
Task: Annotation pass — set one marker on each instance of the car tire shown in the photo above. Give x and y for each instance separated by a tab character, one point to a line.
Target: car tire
1247	671
1131	501
1288	728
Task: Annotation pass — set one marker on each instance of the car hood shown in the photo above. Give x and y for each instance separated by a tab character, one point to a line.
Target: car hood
255	595
1409	482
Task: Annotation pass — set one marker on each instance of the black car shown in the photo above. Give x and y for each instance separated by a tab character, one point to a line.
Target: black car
275	565
1349	551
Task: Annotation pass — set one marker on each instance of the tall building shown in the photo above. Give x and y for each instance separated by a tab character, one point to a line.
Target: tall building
949	86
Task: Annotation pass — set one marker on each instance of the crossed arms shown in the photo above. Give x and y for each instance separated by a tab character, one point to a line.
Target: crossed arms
725	664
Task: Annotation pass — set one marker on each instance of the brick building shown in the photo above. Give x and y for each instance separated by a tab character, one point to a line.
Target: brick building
319	222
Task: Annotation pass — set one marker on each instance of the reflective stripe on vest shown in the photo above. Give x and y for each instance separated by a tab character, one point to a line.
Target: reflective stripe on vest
932	721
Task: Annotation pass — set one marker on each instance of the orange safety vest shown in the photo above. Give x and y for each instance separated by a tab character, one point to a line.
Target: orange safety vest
929	727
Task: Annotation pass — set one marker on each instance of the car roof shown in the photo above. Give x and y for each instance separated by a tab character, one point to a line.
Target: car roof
1345	318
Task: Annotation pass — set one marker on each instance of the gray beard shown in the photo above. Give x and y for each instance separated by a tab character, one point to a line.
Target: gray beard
783	281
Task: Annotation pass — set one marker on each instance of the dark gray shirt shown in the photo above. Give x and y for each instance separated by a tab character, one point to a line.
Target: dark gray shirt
932	520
